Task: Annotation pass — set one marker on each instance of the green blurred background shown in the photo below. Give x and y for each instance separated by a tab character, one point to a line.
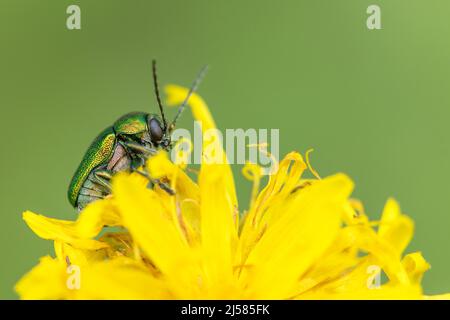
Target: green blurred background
373	104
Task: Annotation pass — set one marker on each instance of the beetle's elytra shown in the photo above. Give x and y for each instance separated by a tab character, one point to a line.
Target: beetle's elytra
123	146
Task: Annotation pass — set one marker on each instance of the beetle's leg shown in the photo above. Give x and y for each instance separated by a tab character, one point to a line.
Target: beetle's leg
158	182
103	178
105	174
136	147
94	193
165	187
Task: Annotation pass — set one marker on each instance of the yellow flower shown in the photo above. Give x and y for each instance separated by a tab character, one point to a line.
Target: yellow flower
300	239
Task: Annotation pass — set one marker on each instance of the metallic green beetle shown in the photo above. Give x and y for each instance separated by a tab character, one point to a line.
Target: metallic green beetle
124	146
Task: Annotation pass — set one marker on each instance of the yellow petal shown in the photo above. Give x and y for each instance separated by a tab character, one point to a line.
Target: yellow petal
120	244
47	280
151	227
190	220
363	282
354	213
80	257
272	199
95	216
218	230
160	166
415	266
339	259
381	252
299	237
121	278
396	228
65	231
280	185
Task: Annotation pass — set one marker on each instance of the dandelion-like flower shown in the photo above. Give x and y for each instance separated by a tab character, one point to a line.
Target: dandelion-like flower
300	238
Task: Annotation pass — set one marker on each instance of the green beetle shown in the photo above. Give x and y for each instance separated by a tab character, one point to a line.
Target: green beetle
124	146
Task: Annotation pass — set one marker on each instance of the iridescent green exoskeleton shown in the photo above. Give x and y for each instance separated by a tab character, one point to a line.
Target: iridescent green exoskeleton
123	146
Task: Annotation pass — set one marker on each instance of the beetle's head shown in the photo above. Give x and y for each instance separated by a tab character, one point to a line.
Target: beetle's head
159	136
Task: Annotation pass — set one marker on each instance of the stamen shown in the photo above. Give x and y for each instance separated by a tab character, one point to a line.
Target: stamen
262	147
182	155
308	163
253	173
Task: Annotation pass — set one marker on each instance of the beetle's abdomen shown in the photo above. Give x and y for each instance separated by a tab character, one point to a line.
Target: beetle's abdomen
120	160
99	153
90	191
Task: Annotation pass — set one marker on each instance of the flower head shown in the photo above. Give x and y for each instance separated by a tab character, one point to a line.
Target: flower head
300	238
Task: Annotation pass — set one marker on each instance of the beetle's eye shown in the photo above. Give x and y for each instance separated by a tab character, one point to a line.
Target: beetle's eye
156	132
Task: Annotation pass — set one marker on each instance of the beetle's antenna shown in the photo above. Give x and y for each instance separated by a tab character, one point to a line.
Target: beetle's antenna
193	88
158	98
